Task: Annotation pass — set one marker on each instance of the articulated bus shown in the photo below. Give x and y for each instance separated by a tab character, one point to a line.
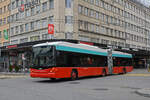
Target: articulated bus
69	60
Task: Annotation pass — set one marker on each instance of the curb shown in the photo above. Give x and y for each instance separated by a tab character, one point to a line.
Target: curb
139	74
144	92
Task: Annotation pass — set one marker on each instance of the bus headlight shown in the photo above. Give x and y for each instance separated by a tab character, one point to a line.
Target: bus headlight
53	70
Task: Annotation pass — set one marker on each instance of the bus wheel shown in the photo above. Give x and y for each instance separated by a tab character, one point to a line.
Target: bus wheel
124	71
53	79
74	75
104	73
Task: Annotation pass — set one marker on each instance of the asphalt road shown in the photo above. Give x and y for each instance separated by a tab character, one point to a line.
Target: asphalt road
117	87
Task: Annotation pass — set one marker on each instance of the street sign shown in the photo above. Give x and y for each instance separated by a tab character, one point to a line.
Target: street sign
50	29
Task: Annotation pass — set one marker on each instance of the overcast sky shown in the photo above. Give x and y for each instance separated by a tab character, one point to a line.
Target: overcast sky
145	2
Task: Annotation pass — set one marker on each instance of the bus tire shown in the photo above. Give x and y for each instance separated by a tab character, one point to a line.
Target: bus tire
74	75
124	71
53	79
104	73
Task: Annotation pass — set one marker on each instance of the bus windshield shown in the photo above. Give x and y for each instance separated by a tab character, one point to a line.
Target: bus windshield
43	57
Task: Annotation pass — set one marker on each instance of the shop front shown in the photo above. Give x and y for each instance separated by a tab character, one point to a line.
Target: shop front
16	59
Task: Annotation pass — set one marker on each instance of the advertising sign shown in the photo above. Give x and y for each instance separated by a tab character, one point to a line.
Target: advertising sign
50	29
5	34
28	5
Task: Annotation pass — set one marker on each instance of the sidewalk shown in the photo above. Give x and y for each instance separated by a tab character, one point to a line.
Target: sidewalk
5	75
144	92
139	73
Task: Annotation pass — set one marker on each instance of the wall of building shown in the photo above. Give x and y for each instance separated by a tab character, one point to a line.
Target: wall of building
4	21
116	22
32	23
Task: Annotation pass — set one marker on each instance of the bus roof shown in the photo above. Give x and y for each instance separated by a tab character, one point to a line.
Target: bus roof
121	54
83	48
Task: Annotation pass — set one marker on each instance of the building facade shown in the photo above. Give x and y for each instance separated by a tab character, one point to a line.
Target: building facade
122	23
4	21
31	24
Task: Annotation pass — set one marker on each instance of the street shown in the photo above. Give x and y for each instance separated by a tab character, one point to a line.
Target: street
116	87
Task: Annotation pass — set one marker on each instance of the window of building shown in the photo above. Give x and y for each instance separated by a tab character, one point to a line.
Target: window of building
21	28
92	13
27	12
17	29
13	5
32	25
0	34
84	38
32	11
38	24
0	10
103	30
14	42
80	9
38	9
44	22
68	3
22	2
11	18
51	20
97	28
4	8
26	27
97	2
17	3
97	15
22	15
92	1
80	24
34	38
68	19
5	43
4	21
92	27
86	11
12	31
44	6
51	4
45	36
8	7
17	16
23	40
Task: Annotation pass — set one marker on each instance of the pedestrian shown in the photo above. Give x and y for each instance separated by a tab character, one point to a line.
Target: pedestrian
148	67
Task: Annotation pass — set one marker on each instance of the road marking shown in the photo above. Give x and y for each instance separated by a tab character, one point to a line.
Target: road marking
145	75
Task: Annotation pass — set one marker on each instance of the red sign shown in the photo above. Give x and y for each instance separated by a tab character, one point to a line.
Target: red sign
12	46
50	29
21	9
88	43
